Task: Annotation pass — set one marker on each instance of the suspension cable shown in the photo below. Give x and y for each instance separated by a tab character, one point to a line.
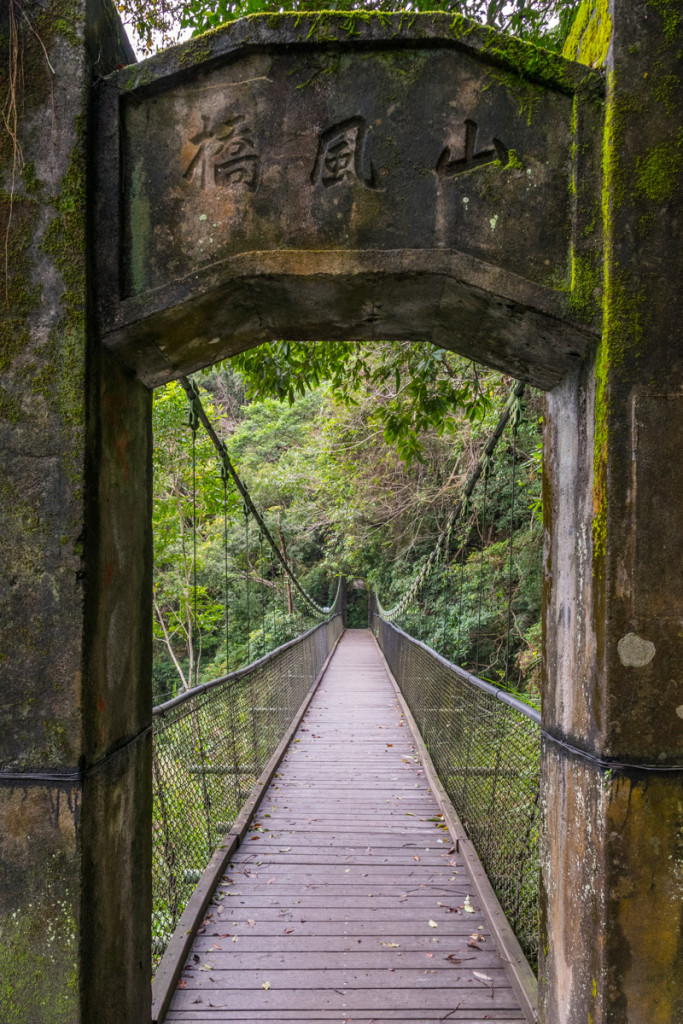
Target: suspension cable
487	472
263	594
516	418
193	423
224	478
197	408
246	546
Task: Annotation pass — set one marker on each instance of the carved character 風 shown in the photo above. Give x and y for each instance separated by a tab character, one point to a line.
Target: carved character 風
341	155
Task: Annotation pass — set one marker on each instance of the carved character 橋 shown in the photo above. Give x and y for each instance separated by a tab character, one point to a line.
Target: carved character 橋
226	154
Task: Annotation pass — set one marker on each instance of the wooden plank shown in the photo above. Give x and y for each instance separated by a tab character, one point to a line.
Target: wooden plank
393	930
475	997
388	1016
313	1017
317	960
405	911
213	973
313	942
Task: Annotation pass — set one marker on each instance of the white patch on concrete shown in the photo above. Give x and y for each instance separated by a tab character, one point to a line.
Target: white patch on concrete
679	711
634	652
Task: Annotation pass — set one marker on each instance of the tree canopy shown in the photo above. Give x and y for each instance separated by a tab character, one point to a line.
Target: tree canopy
158	23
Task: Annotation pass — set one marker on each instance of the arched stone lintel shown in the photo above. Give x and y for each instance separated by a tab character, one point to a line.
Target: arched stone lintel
431	296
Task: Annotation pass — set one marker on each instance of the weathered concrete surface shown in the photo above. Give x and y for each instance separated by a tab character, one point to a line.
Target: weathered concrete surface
612	917
74	566
350	176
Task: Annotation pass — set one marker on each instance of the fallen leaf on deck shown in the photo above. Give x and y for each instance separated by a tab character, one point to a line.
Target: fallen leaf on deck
288	931
213	948
266	985
251	922
415	857
391	945
432	924
481	977
182	983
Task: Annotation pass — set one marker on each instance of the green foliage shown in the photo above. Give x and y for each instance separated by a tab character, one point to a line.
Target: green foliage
416	386
462	608
337	489
195	639
156	23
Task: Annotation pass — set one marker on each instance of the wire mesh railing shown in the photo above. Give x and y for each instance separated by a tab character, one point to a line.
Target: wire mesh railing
210	745
486	746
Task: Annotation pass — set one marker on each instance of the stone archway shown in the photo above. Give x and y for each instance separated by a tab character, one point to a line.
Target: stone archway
379	177
353	178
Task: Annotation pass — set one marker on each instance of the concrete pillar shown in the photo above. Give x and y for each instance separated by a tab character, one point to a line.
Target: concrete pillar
612	859
75	561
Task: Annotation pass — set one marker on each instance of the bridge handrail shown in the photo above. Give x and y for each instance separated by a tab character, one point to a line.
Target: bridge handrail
485	744
162	709
210	745
502	695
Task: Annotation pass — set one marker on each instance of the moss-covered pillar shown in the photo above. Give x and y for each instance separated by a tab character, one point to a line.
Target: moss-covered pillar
612	862
74	558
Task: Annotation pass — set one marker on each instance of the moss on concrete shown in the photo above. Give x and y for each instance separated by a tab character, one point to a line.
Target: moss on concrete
38	950
670	13
591	34
61	378
658	172
529	63
586	283
514	163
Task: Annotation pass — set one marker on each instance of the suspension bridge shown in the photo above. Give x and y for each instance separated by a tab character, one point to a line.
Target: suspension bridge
350	175
351	759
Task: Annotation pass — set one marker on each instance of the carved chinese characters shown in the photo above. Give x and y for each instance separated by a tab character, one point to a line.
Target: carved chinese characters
447	166
226	154
340	155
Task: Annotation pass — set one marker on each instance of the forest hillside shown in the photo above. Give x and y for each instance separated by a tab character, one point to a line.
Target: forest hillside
355	465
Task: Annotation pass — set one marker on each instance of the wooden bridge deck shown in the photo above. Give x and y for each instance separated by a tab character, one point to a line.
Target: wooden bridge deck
346	901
